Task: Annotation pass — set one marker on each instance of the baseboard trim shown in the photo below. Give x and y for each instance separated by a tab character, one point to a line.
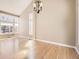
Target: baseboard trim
55	43
77	50
59	44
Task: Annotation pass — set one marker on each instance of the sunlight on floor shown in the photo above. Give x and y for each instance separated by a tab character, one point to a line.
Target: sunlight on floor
31	45
27	51
16	48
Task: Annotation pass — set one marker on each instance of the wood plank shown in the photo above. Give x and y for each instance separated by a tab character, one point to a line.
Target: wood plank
49	51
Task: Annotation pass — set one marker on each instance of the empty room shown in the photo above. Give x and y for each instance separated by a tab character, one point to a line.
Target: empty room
39	29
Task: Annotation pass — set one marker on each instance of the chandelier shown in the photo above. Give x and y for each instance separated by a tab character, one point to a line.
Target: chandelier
37	6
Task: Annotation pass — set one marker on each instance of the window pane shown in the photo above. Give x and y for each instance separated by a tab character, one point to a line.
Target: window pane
8	23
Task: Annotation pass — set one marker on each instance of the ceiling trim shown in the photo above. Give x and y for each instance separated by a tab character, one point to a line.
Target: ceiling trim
1	11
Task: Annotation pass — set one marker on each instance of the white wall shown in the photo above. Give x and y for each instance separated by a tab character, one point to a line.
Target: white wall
56	22
77	24
24	21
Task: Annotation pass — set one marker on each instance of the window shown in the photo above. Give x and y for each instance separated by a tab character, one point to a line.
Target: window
8	24
31	24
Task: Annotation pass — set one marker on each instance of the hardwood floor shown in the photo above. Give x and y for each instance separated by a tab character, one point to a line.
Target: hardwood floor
48	51
20	49
13	48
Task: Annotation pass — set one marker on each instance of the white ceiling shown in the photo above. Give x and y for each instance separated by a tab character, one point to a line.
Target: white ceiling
14	6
